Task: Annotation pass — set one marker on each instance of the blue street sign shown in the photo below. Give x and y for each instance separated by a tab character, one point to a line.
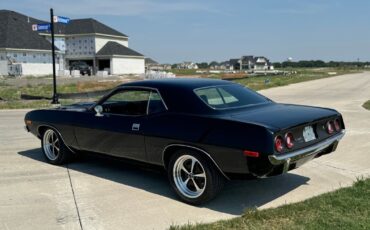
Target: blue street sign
61	19
41	27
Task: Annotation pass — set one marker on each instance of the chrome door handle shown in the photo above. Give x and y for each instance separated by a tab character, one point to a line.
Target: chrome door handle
135	127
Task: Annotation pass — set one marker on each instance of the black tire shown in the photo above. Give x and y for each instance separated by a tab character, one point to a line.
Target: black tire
63	156
214	179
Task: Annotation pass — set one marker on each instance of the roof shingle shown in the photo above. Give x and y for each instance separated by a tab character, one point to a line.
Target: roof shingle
16	32
90	25
114	48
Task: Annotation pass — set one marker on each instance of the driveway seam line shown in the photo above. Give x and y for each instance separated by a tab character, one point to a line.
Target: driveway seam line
74	197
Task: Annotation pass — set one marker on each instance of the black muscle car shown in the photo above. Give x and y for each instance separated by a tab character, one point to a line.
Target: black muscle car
201	131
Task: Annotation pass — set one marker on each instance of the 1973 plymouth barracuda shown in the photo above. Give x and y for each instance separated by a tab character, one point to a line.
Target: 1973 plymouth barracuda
201	131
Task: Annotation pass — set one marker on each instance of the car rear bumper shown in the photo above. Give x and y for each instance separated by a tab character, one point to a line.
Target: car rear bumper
303	155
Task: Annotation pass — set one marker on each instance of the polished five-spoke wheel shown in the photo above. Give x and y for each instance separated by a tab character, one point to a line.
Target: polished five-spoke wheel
189	176
56	152
194	176
51	144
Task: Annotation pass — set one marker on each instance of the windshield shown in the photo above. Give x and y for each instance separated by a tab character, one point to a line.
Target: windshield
229	96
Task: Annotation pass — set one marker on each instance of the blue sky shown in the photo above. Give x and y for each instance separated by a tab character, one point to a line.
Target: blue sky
172	31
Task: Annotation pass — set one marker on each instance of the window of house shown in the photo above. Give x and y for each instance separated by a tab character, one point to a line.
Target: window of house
24	54
14	55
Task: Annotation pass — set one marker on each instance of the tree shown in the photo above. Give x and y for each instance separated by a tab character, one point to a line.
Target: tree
202	65
213	63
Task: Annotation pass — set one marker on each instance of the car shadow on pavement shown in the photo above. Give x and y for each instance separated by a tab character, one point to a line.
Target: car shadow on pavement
236	196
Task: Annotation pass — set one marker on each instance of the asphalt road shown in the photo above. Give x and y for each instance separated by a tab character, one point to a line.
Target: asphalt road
103	194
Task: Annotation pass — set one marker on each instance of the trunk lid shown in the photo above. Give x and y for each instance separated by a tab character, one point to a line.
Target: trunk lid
281	116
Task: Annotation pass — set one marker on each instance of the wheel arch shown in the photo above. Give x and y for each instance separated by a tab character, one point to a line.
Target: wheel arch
170	149
43	127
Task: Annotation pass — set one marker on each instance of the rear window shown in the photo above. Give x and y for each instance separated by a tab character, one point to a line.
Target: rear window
229	96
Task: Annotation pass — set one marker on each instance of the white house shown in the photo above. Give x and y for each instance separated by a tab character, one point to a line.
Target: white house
85	40
187	65
251	63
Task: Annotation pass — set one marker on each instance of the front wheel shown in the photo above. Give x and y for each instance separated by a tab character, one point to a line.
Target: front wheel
55	151
194	177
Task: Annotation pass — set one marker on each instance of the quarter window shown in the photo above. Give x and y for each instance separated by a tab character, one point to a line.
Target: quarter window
155	103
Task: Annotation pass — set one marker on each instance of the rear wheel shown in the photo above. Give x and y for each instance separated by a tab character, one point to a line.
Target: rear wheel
194	178
55	151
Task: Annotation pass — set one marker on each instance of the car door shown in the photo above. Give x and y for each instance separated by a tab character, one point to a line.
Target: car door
117	131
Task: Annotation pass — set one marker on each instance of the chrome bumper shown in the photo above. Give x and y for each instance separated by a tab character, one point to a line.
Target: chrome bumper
303	153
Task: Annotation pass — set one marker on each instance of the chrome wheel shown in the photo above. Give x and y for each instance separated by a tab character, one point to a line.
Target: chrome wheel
51	144
189	176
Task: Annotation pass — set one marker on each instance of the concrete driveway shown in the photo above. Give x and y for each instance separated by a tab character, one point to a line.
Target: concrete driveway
103	194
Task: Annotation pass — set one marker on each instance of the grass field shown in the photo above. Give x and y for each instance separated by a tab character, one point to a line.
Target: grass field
346	208
10	93
366	105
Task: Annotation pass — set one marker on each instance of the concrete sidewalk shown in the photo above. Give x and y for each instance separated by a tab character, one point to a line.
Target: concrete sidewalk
103	194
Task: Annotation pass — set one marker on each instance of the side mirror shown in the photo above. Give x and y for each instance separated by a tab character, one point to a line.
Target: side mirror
99	110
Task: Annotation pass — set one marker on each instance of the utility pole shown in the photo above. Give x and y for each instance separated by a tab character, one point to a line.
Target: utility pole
55	95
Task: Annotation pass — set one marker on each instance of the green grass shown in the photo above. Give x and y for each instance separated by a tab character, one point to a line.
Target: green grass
366	105
10	95
346	208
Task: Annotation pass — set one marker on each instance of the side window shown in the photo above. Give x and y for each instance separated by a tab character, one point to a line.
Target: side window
127	102
155	103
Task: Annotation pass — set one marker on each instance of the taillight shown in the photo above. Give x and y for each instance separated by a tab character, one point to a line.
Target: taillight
289	140
279	144
251	153
329	127
336	125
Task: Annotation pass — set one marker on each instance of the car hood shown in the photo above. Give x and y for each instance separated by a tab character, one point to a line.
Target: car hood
82	106
281	116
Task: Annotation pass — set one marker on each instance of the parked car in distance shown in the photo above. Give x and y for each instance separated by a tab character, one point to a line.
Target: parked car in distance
83	67
202	131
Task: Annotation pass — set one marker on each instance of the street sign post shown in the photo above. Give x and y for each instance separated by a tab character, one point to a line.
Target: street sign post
55	95
50	27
